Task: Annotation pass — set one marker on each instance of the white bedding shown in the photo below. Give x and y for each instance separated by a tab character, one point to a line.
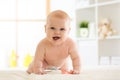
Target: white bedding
97	73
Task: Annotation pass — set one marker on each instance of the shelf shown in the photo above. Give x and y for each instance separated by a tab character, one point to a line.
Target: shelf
85	7
98	4
85	39
95	12
108	3
111	38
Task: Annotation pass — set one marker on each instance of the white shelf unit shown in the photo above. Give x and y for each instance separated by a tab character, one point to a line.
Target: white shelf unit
92	48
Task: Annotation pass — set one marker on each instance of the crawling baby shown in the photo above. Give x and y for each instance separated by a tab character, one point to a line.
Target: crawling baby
56	47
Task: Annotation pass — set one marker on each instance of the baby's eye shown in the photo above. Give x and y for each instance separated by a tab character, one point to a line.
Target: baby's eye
52	28
62	29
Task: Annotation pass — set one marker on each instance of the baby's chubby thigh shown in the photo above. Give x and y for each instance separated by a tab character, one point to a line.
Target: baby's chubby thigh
65	66
45	64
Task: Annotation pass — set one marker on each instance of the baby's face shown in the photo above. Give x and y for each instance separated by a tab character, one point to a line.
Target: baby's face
57	30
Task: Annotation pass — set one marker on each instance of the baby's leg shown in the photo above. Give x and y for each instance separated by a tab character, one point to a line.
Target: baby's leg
67	65
64	67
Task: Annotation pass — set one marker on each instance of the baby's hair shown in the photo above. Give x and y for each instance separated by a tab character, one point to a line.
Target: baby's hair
59	14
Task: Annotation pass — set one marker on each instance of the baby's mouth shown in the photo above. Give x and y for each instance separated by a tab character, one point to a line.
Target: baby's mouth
56	38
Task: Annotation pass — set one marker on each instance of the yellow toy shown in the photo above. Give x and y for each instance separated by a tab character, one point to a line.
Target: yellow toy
13	59
27	60
105	29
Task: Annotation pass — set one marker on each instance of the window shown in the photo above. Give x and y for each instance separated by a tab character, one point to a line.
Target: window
21	28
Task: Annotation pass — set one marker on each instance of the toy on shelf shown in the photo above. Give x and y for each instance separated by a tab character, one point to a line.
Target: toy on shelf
105	29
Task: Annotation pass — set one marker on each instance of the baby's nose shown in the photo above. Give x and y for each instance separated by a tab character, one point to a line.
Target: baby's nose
57	31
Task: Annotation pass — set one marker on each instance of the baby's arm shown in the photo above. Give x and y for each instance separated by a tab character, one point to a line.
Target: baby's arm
34	69
75	58
39	59
37	64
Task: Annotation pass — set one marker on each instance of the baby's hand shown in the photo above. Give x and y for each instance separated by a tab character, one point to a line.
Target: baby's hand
75	72
70	72
39	71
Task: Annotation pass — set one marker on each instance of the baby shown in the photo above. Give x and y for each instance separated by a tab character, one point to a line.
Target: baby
56	47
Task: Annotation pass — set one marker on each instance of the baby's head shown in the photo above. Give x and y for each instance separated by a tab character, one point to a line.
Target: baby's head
57	27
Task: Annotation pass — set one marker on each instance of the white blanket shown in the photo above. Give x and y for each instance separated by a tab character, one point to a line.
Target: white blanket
98	73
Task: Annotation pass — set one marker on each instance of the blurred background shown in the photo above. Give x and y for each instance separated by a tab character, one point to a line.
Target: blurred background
95	28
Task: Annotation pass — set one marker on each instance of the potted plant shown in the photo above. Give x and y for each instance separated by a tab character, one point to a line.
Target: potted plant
83	28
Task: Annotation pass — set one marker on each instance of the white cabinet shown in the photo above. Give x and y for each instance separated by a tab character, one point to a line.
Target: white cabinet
92	49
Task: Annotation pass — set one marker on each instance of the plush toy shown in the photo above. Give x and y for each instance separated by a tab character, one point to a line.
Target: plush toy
105	29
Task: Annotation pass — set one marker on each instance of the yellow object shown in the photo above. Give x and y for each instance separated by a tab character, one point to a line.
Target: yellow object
13	59
27	60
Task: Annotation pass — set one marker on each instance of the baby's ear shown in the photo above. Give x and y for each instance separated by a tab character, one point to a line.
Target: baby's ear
69	29
45	27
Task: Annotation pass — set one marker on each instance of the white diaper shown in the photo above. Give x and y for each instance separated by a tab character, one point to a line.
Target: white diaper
53	71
